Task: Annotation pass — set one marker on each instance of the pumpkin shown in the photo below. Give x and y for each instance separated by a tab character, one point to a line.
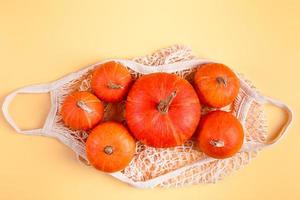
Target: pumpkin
110	81
110	147
220	134
162	110
216	84
81	110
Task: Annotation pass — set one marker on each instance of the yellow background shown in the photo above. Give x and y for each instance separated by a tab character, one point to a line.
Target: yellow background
41	41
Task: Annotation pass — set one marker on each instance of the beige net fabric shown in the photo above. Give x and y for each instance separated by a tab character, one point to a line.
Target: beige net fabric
177	166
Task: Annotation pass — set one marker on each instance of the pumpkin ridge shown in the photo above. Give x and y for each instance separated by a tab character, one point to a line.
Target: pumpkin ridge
88	119
175	134
68	114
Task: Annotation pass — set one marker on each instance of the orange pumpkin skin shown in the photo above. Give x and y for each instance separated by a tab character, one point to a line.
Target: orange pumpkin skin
216	85
82	110
110	147
220	134
162	110
111	81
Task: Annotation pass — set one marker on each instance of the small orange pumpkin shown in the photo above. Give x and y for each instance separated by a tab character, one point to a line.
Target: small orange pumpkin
110	81
216	85
82	110
220	134
110	147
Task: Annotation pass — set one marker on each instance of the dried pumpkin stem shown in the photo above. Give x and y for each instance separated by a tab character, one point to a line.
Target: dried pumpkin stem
112	85
221	80
217	143
163	105
108	150
83	106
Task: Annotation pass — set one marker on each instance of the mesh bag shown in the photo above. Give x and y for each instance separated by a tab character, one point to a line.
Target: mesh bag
160	167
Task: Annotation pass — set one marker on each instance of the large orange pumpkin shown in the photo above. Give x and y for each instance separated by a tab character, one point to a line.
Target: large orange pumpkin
216	84
220	134
110	81
110	147
82	110
162	110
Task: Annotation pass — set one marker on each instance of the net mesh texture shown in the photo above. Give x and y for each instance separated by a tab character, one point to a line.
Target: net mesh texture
151	163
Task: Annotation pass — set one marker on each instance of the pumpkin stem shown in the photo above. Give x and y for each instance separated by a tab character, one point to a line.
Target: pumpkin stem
112	85
81	104
217	143
221	80
163	105
108	150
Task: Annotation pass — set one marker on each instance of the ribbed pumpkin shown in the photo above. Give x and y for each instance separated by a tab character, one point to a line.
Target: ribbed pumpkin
216	84
110	81
82	110
220	134
110	147
162	110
